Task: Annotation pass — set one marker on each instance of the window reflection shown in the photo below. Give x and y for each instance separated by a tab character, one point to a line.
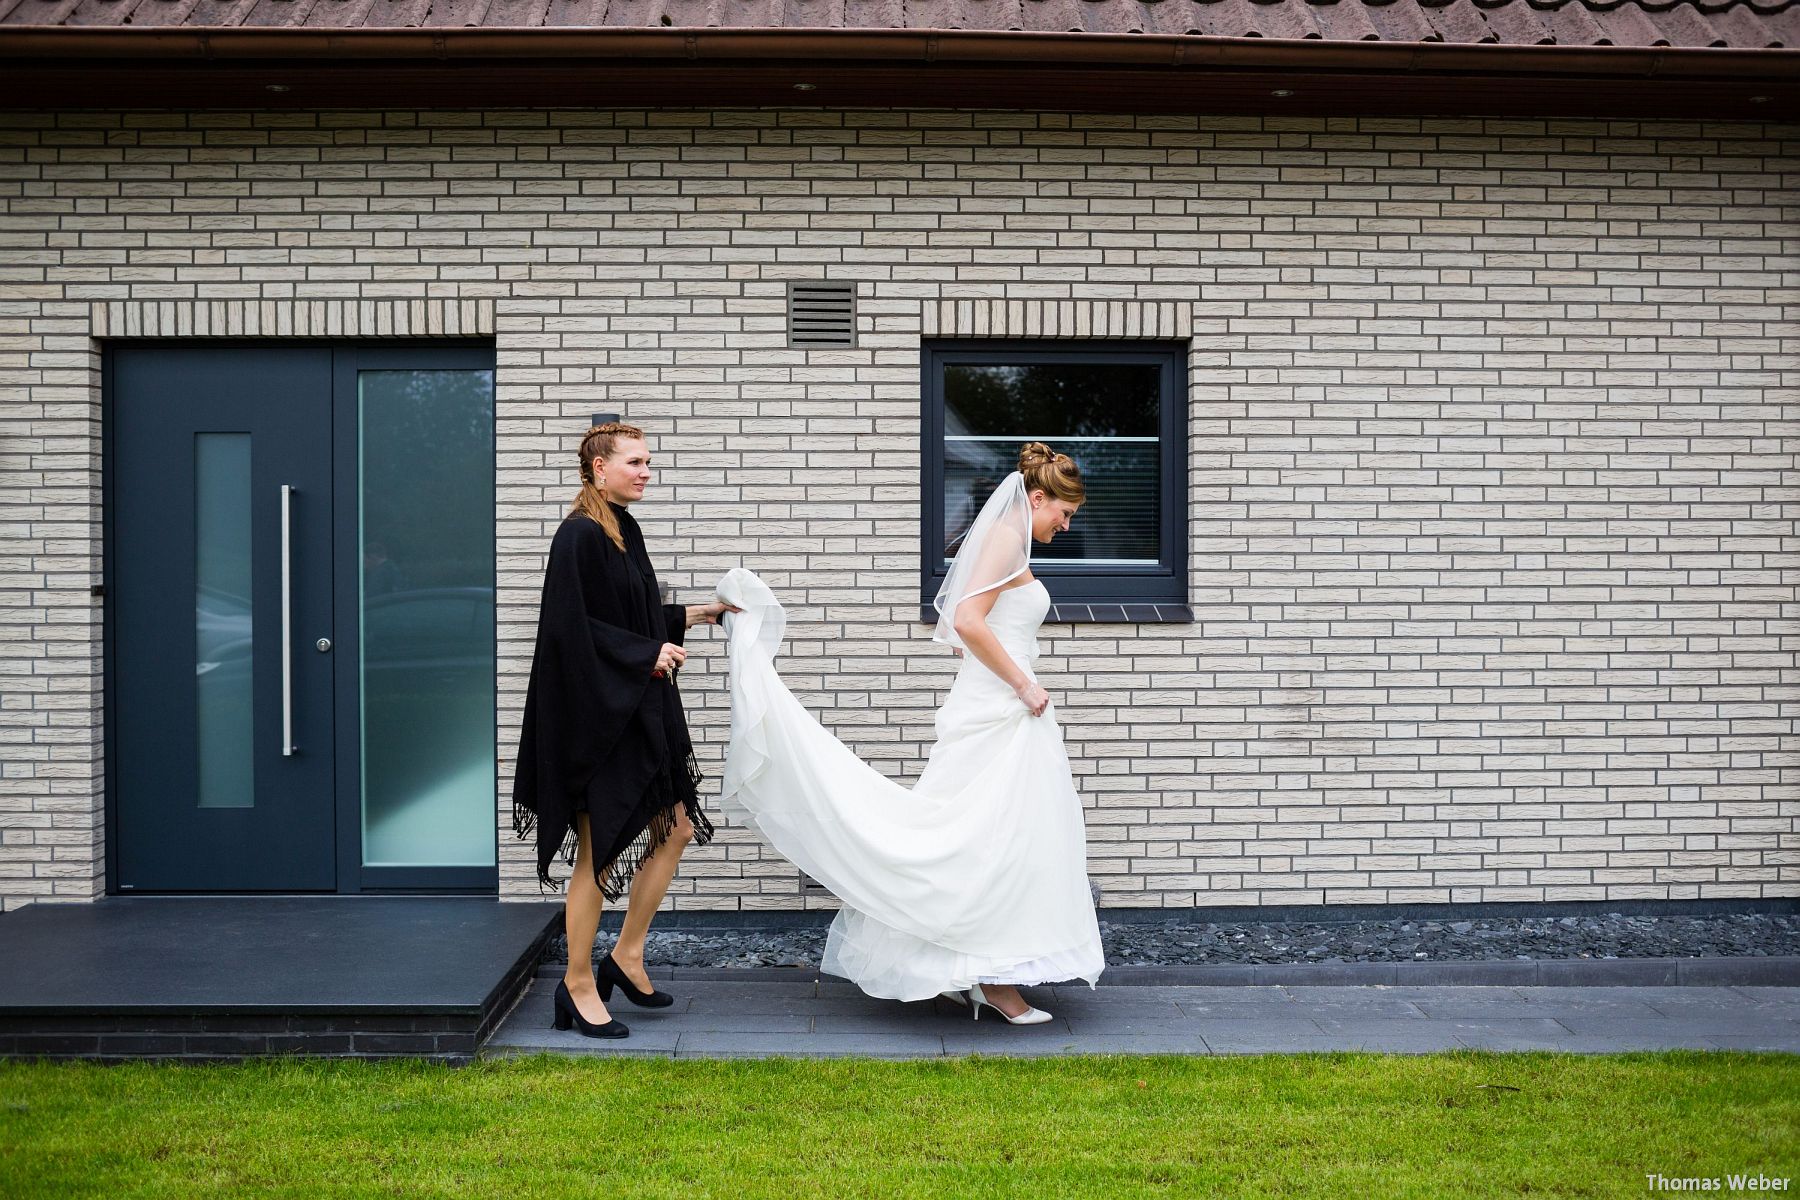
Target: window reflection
427	614
1104	415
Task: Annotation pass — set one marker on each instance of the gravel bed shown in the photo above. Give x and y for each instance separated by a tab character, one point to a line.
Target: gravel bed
1611	935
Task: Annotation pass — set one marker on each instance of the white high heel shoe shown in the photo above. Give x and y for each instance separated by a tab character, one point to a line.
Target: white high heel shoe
1031	1016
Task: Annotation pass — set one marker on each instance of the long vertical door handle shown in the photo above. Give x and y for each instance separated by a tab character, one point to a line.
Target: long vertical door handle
287	620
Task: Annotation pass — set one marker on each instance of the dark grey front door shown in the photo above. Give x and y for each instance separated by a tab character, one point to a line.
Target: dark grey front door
220	592
301	639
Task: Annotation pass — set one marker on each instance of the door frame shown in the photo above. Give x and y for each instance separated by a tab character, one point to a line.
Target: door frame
347	354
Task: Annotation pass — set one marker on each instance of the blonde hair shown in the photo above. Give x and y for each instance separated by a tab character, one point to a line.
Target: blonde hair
590	502
1054	474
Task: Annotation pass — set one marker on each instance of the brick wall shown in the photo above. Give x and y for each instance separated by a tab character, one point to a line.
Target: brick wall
1487	534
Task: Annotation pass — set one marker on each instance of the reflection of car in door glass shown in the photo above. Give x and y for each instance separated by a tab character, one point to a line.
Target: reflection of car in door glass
222	625
430	629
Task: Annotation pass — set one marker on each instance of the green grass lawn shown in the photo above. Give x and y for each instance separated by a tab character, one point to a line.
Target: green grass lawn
1338	1125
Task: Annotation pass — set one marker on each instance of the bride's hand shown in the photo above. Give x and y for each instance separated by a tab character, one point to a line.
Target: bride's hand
1033	697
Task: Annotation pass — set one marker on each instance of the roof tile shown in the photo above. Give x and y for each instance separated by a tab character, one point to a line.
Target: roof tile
40	12
1741	27
221	14
103	12
515	14
278	13
1755	24
339	14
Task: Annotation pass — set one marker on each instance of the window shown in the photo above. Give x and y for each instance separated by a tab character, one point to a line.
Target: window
1117	408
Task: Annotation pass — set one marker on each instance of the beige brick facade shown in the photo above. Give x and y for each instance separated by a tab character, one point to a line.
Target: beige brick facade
1490	424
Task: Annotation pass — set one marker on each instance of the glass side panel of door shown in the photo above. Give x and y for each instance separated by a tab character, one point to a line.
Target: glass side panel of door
426	599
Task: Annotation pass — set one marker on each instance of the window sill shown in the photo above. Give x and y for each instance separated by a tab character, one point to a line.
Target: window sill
1100	614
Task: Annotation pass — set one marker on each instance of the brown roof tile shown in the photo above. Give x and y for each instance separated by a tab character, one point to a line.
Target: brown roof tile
103	12
339	14
40	12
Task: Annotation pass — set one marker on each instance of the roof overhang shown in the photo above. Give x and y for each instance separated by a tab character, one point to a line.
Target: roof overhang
213	67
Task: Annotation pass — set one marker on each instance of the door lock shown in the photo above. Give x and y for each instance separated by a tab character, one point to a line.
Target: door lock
323	645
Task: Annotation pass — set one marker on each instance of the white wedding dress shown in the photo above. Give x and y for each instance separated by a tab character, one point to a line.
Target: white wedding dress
977	874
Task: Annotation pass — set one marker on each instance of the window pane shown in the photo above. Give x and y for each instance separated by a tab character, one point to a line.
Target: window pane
223	680
1103	415
427	605
1047	401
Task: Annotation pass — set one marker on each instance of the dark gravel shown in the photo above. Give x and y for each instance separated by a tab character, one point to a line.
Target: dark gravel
1611	935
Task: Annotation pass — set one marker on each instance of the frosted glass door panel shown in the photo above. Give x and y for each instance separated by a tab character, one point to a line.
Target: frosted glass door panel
223	679
426	595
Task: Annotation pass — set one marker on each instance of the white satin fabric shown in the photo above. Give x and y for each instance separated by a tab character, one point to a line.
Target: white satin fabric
977	874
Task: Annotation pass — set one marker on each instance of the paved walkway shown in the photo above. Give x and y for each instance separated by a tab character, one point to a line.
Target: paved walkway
716	1019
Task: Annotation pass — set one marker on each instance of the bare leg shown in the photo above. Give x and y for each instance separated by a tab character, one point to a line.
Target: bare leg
581	920
648	887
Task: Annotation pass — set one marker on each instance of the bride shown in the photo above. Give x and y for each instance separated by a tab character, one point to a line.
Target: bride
975	878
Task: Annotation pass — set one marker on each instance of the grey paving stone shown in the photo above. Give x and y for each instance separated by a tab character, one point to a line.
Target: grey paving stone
832	1018
1142	1043
1588	1043
1669	999
1554	1002
535	1038
727	989
1700	1025
1102	1026
741	1022
898	1020
1268	1010
1345	1006
1755	1042
747	1005
496	1050
1174	994
1078	1008
1454	1008
1503	1033
1769	995
1409	1035
958	1046
1414	991
1261	1034
811	1045
1317	1042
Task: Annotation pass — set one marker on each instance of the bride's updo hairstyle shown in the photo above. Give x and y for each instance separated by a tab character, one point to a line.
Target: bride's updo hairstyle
600	442
1056	475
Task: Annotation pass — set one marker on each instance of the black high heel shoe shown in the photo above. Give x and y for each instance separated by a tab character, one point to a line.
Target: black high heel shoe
610	974
567	1014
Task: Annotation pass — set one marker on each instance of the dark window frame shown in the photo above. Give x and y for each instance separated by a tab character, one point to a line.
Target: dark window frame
1156	592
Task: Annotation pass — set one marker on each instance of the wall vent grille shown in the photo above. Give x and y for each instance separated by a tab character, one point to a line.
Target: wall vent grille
821	316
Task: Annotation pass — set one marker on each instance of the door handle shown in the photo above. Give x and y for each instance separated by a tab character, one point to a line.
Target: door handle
287	620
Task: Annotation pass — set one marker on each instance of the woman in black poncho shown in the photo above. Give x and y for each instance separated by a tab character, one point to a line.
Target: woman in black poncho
606	770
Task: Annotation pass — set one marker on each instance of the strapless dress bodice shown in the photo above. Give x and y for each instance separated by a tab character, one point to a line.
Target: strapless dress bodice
1017	615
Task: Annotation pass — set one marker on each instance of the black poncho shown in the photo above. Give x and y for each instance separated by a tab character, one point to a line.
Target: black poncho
600	734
